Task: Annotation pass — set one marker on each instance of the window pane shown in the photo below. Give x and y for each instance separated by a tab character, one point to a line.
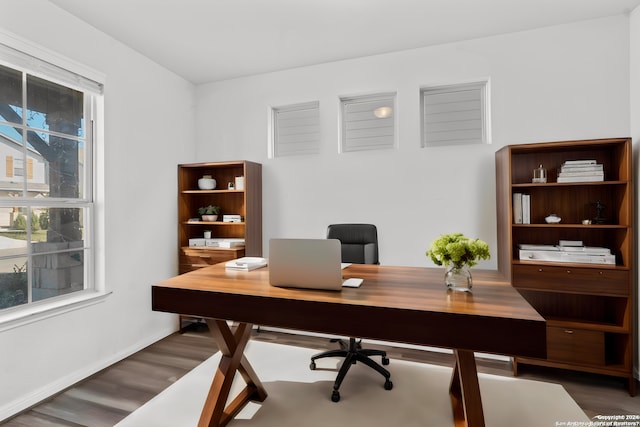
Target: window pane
13	281
56	166
54	107
10	95
57	271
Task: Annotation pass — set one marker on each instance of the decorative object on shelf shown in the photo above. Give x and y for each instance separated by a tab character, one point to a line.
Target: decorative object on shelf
206	183
539	175
239	182
209	213
207	234
458	253
553	219
599	219
230	186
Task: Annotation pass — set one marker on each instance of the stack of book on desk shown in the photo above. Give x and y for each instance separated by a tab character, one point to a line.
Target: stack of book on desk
566	253
581	171
246	263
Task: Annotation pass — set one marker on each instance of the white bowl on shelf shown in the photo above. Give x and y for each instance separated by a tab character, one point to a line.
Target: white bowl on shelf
206	183
553	219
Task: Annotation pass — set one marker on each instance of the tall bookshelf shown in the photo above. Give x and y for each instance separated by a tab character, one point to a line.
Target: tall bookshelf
589	308
246	202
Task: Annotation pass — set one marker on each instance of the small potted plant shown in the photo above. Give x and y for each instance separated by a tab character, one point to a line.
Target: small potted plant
458	253
209	213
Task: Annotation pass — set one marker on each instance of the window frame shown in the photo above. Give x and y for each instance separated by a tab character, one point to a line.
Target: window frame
485	111
383	97
274	123
31	59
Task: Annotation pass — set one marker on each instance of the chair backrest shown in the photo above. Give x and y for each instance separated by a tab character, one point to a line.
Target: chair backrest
359	242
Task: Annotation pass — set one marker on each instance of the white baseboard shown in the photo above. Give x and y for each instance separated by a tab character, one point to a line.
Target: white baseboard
22	403
388	343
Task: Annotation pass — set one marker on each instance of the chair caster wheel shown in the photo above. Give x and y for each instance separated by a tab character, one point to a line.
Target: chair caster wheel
312	366
335	396
388	385
385	360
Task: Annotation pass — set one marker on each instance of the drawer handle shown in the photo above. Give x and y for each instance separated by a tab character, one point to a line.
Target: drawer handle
205	256
568	271
568	331
540	270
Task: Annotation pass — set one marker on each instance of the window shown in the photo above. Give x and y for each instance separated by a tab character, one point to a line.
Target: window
455	114
46	189
368	122
296	130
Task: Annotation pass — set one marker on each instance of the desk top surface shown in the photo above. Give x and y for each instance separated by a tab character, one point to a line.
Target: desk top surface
411	288
402	304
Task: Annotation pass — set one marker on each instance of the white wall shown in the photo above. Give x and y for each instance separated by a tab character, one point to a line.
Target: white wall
149	128
558	83
634	115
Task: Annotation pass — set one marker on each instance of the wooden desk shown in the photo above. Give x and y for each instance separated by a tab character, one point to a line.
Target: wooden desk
401	304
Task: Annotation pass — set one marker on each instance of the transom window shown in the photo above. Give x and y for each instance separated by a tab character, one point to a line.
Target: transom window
368	122
46	197
455	114
296	130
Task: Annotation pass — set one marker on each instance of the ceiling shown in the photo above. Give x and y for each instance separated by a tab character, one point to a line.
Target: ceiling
211	40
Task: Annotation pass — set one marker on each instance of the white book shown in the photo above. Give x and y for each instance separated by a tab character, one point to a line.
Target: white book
580	162
589	178
517	208
582	168
591	250
531	247
526	209
582	173
570	243
246	263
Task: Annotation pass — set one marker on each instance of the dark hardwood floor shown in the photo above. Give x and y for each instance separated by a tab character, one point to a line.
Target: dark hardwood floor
110	395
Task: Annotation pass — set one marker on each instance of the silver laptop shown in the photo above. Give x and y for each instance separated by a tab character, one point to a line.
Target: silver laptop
305	263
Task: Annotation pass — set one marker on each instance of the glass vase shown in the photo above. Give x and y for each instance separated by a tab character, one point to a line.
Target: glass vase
458	278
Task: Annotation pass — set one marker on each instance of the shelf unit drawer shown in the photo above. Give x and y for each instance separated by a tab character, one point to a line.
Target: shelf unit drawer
595	281
204	257
575	346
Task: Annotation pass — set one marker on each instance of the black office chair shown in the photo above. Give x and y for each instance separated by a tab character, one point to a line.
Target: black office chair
359	246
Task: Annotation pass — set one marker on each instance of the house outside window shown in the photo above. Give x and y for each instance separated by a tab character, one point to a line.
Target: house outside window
46	187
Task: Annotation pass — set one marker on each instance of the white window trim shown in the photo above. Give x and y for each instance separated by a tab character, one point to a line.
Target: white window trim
484	85
95	271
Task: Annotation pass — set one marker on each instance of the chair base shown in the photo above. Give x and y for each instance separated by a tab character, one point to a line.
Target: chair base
354	353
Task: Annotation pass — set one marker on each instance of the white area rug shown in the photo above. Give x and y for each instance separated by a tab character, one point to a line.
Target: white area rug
299	396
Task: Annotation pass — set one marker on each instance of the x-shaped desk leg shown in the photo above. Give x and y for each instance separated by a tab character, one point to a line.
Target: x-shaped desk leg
465	391
231	344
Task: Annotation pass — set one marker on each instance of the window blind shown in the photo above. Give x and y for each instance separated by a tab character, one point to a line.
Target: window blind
368	122
296	129
52	72
454	114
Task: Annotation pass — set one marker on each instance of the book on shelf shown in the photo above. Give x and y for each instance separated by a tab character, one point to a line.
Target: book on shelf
517	208
581	171
526	209
562	242
580	162
588	178
521	208
576	169
246	263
